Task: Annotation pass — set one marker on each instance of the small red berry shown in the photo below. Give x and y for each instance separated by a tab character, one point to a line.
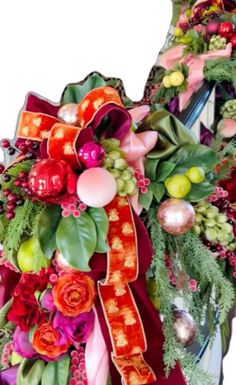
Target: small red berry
6	192
2	168
5	143
10	215
233	41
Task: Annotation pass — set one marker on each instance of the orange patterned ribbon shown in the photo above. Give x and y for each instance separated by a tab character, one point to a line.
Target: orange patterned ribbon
62	137
121	313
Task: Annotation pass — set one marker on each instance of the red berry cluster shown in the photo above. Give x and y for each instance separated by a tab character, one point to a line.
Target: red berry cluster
26	147
179	279
78	368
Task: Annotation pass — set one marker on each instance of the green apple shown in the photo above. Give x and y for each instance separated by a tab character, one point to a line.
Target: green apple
26	255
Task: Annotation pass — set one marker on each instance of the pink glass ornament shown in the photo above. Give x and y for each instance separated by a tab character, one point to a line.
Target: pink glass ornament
96	187
176	216
91	155
68	113
185	327
227	128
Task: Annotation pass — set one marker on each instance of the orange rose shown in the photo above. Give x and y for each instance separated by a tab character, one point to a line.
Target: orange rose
74	294
46	341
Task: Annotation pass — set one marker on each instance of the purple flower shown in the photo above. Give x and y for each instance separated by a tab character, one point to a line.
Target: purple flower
47	301
77	329
22	345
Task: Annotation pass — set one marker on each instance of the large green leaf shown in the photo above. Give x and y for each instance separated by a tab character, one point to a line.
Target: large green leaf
30	372
145	200
164	169
158	190
63	366
199	191
77	239
3	313
102	226
150	168
49	376
47	226
74	93
194	155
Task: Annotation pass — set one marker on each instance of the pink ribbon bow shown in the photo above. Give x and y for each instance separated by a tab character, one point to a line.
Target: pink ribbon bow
136	146
196	66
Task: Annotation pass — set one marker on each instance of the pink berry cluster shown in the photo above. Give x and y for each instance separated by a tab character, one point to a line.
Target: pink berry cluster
6	263
142	182
59	272
6	354
78	368
179	280
218	193
72	206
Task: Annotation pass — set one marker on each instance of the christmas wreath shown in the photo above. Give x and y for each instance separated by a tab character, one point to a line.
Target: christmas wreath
113	213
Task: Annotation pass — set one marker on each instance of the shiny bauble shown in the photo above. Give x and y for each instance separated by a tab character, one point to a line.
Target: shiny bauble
212	27
96	187
226	29
68	113
91	155
184	327
233	41
26	256
227	128
50	179
176	216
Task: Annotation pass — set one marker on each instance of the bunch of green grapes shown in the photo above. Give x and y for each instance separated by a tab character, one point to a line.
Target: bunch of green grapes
217	42
228	110
213	225
117	165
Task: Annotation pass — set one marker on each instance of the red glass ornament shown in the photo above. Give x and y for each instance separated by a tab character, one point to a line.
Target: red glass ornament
226	29
233	41
51	180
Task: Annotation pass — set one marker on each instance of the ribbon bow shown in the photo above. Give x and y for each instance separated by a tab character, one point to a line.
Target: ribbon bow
196	66
63	138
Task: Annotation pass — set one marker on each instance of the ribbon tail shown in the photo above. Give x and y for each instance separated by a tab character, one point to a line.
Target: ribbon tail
96	360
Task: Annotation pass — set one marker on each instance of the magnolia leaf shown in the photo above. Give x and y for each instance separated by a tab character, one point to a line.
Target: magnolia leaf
150	168
102	226
199	191
158	190
74	93
194	155
50	374
145	200
164	170
3	313
30	372
63	366
47	226
76	239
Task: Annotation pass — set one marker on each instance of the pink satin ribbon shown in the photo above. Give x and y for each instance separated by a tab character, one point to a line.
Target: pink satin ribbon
196	66
136	146
96	356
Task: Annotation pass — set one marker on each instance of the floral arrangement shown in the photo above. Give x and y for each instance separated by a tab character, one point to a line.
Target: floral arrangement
110	211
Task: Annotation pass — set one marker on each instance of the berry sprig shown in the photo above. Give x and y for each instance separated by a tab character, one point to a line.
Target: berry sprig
28	148
142	182
72	206
178	278
78	368
6	355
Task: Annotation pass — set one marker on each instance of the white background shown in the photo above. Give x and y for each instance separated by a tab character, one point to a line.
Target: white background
46	44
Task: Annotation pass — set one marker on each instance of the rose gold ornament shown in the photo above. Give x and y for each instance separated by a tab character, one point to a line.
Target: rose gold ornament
68	113
184	326
176	216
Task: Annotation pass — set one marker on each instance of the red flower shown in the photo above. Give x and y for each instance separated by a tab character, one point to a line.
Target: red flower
25	311
230	186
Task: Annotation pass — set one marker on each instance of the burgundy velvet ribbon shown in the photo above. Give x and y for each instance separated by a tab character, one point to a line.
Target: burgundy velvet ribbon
9	280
